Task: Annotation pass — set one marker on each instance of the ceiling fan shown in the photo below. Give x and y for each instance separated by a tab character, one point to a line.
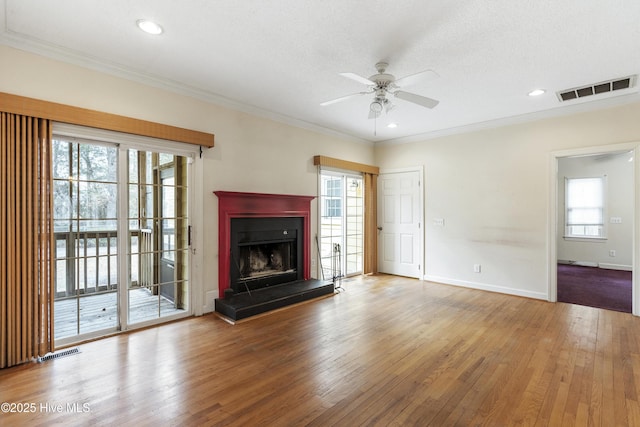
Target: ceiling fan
382	84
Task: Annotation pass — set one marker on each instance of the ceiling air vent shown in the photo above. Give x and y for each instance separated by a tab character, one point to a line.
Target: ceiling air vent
597	88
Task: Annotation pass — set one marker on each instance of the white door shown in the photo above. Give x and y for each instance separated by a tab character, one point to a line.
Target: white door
400	223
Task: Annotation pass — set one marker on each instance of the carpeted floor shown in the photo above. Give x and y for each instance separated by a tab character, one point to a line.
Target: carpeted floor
595	287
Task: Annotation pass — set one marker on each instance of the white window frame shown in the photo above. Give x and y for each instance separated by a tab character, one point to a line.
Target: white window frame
343	177
332	202
568	228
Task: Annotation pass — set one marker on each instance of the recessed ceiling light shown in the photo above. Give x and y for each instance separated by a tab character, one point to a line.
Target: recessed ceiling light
392	125
536	92
149	27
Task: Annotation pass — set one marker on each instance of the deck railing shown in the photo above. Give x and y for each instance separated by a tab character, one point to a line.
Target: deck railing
87	261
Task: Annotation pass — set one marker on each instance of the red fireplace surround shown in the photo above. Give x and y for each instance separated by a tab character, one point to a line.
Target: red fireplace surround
252	205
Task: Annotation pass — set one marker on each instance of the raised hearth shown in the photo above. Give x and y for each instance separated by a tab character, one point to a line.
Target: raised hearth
243	305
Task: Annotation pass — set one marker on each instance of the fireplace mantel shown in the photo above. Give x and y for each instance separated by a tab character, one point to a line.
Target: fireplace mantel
251	205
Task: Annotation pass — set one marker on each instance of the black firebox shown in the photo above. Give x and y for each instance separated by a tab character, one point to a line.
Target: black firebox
265	251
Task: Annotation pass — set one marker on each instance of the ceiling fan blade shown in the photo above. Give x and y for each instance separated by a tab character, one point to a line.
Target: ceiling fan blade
416	99
358	78
416	78
342	98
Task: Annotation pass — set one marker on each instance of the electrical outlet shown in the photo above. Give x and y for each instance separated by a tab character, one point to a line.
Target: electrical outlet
612	252
477	268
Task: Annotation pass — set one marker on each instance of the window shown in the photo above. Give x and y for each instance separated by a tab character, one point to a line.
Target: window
332	200
584	216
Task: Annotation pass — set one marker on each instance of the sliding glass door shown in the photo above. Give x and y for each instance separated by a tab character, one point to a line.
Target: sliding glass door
121	228
341	224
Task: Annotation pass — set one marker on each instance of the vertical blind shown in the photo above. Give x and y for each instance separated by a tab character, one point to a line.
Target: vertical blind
26	301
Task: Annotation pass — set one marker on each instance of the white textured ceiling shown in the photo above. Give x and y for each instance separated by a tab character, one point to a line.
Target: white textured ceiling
281	58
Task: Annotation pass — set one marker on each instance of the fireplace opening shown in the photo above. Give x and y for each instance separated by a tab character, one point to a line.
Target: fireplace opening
265	251
268	259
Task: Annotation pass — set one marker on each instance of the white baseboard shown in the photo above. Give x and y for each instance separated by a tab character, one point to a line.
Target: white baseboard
585	263
210	302
615	266
486	287
604	265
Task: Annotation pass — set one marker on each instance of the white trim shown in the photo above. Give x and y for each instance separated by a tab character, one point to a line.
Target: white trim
316	259
585	239
622	267
127	140
486	287
122	227
635	253
419	168
196	220
585	264
552	214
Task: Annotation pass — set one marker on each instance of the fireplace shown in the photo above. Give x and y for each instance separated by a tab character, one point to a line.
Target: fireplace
263	240
265	251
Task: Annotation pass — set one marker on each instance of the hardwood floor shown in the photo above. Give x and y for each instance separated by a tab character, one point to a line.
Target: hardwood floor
386	351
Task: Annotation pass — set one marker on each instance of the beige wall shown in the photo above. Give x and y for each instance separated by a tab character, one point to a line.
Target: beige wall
251	153
493	189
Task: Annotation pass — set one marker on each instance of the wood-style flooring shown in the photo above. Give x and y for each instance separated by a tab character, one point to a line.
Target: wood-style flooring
387	351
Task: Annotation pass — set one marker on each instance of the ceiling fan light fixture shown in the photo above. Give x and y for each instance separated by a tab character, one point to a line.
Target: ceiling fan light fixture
149	27
392	125
376	107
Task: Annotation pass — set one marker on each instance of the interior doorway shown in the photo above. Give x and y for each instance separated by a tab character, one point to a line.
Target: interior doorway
595	224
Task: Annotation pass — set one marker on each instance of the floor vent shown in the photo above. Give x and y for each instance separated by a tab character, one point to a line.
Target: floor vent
597	88
58	354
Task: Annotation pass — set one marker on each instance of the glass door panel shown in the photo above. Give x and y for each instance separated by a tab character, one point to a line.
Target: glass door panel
85	226
341	224
158	235
354	220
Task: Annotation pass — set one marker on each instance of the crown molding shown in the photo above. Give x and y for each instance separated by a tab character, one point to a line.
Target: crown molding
68	56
